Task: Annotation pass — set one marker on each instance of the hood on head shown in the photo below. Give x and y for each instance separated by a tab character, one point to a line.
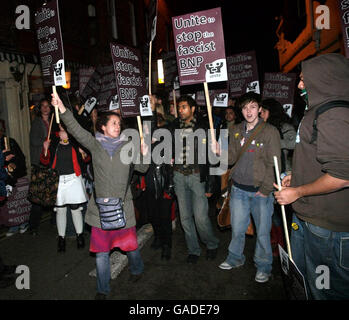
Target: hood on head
326	78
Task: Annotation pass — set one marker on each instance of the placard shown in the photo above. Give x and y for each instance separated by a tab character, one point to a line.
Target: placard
130	80
84	76
100	90
280	86
16	209
199	45
243	73
48	33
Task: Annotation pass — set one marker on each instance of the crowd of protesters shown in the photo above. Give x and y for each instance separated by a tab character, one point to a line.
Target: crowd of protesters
86	152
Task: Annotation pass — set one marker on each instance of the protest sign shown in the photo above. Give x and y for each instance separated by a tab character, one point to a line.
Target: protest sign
48	32
199	44
344	17
129	80
84	76
16	209
243	73
218	97
100	90
170	70
152	12
280	86
292	277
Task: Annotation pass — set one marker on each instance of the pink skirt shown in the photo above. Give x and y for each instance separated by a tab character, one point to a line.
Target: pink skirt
105	241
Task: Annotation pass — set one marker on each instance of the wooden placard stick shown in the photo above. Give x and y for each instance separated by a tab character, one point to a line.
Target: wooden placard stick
209	111
149	71
283	209
56	107
140	129
81	110
49	131
7	144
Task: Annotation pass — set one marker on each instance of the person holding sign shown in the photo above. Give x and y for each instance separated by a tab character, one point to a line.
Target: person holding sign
193	183
318	186
39	131
252	145
111	176
16	169
64	156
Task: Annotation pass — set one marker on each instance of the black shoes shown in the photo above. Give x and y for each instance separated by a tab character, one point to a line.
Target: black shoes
100	296
80	240
211	254
61	244
166	252
192	259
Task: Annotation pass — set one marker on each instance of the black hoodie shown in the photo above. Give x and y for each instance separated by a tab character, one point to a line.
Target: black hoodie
326	79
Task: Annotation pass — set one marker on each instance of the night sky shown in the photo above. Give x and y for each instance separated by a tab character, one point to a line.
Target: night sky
247	25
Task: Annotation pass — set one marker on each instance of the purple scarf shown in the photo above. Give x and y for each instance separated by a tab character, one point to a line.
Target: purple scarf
109	144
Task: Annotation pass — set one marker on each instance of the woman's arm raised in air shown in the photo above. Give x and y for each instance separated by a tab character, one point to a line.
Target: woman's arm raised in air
80	134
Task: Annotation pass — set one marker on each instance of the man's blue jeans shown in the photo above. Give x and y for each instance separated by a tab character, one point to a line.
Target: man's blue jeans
193	211
316	250
242	203
135	262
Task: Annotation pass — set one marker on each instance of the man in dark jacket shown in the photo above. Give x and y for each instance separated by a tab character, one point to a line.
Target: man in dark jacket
192	179
318	187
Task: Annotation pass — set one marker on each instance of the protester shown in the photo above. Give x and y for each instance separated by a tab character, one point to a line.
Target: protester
6	271
16	169
193	183
111	177
38	134
273	113
251	192
67	160
318	187
159	196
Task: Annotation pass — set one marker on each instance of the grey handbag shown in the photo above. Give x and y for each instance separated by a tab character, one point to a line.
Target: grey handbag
111	210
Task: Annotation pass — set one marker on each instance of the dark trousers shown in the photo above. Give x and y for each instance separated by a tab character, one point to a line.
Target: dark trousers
35	216
159	213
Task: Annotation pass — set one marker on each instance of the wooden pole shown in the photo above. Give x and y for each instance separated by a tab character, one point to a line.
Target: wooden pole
56	107
140	128
49	131
174	102
6	142
209	111
277	173
149	71
81	110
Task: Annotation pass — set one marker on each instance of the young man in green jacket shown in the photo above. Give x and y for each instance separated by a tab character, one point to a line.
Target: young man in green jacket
252	176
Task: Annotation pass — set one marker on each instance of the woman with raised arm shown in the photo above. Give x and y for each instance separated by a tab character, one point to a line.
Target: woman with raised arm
111	176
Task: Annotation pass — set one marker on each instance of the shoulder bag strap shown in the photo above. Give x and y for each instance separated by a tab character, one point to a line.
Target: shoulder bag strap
246	145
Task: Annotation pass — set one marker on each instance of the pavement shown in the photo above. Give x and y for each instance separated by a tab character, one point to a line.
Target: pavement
71	275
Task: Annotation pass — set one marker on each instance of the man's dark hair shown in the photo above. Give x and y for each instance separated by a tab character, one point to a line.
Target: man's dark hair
188	99
248	98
